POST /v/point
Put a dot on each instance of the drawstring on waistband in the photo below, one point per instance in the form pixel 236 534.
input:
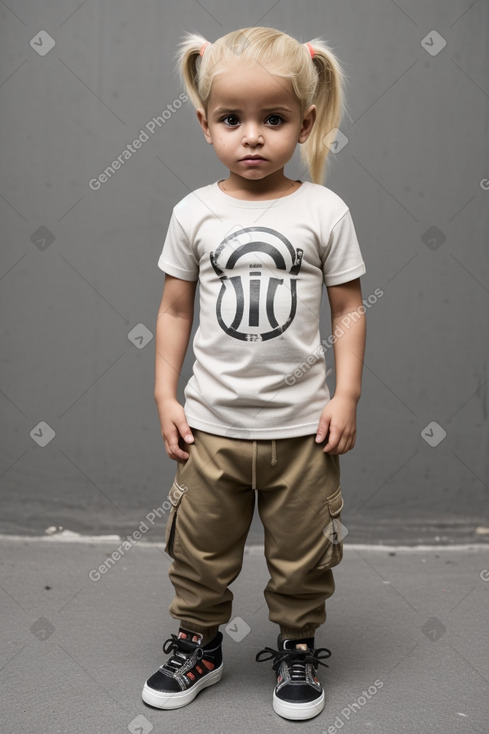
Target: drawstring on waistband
pixel 253 461
pixel 253 467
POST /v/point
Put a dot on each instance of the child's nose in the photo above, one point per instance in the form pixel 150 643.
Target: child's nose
pixel 252 135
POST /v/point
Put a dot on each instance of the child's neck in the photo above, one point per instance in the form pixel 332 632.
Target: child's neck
pixel 271 187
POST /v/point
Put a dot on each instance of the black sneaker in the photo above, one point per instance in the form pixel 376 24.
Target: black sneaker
pixel 298 693
pixel 188 670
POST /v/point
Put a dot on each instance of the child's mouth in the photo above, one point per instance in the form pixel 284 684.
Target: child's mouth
pixel 253 160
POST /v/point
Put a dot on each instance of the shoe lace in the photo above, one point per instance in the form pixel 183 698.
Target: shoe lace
pixel 179 653
pixel 295 659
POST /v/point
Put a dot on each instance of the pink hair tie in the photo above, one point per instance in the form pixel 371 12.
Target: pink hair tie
pixel 202 50
pixel 310 49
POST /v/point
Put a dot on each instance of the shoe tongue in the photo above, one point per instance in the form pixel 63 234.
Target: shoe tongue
pixel 188 636
pixel 297 644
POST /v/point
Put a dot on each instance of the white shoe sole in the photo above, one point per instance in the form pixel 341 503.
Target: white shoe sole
pixel 162 700
pixel 298 711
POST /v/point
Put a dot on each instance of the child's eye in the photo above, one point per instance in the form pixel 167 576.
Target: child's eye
pixel 274 120
pixel 230 120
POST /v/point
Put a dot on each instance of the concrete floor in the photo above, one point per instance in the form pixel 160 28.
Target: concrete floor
pixel 407 629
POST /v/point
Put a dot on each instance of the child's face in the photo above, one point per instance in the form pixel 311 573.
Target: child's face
pixel 254 120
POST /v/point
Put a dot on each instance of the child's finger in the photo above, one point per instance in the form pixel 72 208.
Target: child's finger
pixel 175 452
pixel 322 430
pixel 333 442
pixel 344 443
pixel 172 438
pixel 185 432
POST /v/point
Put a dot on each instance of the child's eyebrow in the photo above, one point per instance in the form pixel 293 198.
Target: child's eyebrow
pixel 278 108
pixel 236 111
pixel 221 108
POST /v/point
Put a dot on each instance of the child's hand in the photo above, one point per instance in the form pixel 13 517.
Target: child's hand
pixel 174 428
pixel 338 424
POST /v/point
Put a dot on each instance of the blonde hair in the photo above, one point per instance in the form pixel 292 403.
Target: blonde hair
pixel 317 79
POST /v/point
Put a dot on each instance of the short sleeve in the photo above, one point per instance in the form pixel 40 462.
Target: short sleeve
pixel 177 257
pixel 343 260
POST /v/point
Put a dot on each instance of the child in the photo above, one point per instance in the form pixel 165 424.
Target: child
pixel 257 414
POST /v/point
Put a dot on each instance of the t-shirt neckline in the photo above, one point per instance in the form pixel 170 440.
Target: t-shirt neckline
pixel 256 203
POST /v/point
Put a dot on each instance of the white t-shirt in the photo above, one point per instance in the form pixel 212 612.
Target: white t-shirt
pixel 261 266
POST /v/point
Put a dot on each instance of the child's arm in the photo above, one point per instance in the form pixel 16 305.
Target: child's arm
pixel 173 327
pixel 338 419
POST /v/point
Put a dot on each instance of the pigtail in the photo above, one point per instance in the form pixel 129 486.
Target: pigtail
pixel 329 101
pixel 189 59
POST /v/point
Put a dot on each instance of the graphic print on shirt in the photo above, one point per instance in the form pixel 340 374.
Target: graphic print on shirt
pixel 258 269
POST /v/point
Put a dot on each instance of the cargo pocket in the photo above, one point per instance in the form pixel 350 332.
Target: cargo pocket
pixel 333 532
pixel 175 496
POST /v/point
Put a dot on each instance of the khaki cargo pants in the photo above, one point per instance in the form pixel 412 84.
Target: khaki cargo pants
pixel 299 502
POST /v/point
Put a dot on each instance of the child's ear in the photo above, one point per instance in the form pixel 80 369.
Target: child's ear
pixel 307 123
pixel 201 116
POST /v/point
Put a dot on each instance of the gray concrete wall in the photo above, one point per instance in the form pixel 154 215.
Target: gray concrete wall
pixel 80 287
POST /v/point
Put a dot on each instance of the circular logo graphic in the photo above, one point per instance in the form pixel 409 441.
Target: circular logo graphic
pixel 258 269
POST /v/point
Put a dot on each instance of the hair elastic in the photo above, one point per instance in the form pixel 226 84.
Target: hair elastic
pixel 310 49
pixel 202 50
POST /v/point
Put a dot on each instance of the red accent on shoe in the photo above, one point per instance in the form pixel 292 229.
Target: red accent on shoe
pixel 199 670
pixel 191 676
pixel 208 664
